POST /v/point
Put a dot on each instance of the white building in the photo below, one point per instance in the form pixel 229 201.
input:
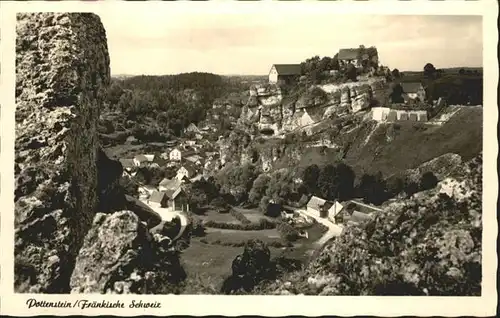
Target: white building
pixel 175 155
pixel 380 113
pixel 284 73
pixel 323 208
pixel 186 171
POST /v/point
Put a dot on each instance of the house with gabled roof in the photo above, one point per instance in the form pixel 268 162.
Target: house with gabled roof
pixel 127 164
pixel 158 200
pixel 175 155
pixel 284 73
pixel 195 159
pixel 319 207
pixel 177 200
pixel 147 190
pixel 169 184
pixel 356 56
pixel 140 159
pixel 413 91
pixel 192 128
pixel 356 212
pixel 187 170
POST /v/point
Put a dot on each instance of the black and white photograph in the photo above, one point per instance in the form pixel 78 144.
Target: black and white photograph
pixel 248 153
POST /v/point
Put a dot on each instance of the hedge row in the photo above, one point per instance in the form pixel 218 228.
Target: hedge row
pixel 276 244
pixel 263 224
pixel 239 216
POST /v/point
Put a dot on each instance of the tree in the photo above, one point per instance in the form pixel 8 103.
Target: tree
pixel 197 198
pixel 397 94
pixel 428 181
pixel 346 177
pixel 249 268
pixel 372 188
pixel 310 178
pixel 395 73
pixel 259 188
pixel 429 70
pixel 351 72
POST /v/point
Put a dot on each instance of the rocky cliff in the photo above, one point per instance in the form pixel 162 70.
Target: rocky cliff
pixel 62 69
pixel 63 178
pixel 274 111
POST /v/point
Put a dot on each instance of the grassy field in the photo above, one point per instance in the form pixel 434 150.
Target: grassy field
pixel 208 265
pixel 253 215
pixel 212 215
pixel 239 237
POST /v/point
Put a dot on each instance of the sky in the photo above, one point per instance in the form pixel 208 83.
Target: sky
pixel 248 44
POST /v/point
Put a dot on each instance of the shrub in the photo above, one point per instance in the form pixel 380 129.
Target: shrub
pixel 239 216
pixel 428 181
pixel 287 232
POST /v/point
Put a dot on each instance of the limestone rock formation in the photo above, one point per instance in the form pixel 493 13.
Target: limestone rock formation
pixel 62 70
pixel 277 111
pixel 120 255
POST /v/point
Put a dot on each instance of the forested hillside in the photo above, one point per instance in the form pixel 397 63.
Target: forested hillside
pixel 155 108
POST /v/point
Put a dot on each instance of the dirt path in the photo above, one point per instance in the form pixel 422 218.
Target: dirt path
pixel 167 215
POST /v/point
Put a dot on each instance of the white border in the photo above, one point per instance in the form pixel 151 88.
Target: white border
pixel 14 304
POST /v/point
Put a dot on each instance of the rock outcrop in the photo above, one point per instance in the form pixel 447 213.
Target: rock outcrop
pixel 62 70
pixel 130 259
pixel 427 245
pixel 274 111
pixel 69 237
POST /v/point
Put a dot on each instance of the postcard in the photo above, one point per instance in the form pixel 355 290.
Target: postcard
pixel 233 158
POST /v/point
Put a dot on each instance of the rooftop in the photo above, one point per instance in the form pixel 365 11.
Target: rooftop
pixel 411 87
pixel 157 196
pixel 318 203
pixel 288 69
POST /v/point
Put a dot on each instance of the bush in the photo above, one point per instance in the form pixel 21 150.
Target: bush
pixel 428 181
pixel 287 232
pixel 239 216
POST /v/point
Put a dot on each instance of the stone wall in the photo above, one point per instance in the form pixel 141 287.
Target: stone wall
pixel 62 71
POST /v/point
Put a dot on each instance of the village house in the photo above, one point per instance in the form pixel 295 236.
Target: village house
pixel 187 170
pixel 191 142
pixel 177 200
pixel 158 200
pixel 198 136
pixel 128 164
pixel 413 91
pixel 354 57
pixel 320 208
pixel 196 159
pixel 355 212
pixel 139 160
pixel 169 184
pixel 349 56
pixel 175 155
pixel 142 159
pixel 150 158
pixel 192 128
pixel 146 190
pixel 131 140
pixel 284 73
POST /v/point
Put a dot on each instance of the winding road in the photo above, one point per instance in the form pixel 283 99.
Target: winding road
pixel 168 214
